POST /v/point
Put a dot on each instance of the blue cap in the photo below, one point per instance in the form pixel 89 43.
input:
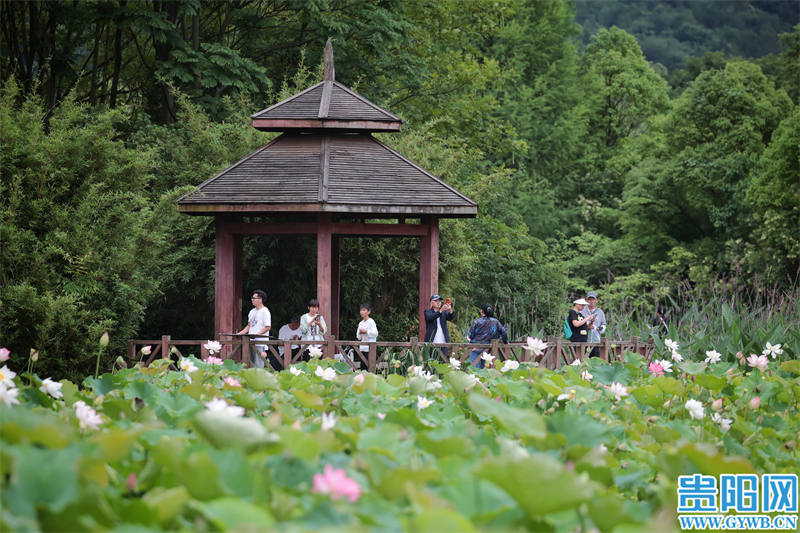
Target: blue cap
pixel 436 297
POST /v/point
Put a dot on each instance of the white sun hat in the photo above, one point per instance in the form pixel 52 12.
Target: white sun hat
pixel 581 302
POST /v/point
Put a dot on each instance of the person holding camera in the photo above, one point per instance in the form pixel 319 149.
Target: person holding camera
pixel 436 322
pixel 312 325
pixel 578 323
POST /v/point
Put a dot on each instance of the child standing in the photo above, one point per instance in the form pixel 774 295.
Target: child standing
pixel 367 330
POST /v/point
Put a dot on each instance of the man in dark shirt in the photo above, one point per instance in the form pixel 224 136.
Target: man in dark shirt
pixel 483 330
pixel 436 322
pixel 578 323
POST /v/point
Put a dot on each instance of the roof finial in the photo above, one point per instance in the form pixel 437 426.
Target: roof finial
pixel 329 74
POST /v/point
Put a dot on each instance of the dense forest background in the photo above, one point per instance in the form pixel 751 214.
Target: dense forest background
pixel 637 148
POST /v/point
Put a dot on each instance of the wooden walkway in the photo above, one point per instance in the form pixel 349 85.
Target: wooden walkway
pixel 559 352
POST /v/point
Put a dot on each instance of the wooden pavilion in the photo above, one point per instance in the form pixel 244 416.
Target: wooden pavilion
pixel 326 175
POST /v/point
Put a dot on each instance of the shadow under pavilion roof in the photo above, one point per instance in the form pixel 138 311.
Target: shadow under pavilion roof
pixel 327 161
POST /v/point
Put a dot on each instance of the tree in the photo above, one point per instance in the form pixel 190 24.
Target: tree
pixel 689 187
pixel 79 233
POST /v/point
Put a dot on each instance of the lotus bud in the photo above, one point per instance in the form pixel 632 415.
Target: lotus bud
pixel 173 350
pixel 131 482
pixel 622 447
pixel 35 356
pixel 666 404
pixel 755 403
pixel 358 379
pixel 716 405
pixel 759 419
pixel 104 340
pixel 147 350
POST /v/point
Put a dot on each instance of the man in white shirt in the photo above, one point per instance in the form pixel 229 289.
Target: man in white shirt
pixel 259 322
pixel 367 330
pixel 291 332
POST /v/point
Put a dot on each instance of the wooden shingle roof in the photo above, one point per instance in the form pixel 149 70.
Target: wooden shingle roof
pixel 322 172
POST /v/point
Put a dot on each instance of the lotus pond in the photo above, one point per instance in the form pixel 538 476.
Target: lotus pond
pixel 216 447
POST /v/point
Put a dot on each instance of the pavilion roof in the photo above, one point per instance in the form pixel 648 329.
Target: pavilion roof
pixel 327 172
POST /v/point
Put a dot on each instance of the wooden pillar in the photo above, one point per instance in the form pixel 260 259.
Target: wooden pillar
pixel 237 282
pixel 333 324
pixel 224 282
pixel 428 268
pixel 324 249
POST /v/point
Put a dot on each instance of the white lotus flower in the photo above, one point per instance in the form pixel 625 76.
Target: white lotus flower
pixel 671 345
pixel 381 415
pixel 677 357
pixel 221 407
pixel 7 377
pixel 293 370
pixel 773 350
pixel 87 416
pixel 537 346
pixel 327 374
pixel 713 357
pixel 328 421
pixel 509 365
pixel 213 347
pixel 425 374
pixel 585 375
pixel 423 402
pixel 8 395
pixel 315 351
pixel 665 365
pixel 52 388
pixel 566 396
pixel 455 363
pixel 695 409
pixel 724 423
pixel 435 384
pixel 619 390
pixel 486 356
pixel 576 362
pixel 187 366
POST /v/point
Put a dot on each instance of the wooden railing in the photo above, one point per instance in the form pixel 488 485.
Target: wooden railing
pixel 558 352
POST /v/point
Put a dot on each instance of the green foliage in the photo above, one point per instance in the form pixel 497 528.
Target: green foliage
pixel 80 232
pixel 670 32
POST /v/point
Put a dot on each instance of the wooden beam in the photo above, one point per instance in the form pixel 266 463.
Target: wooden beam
pixel 224 282
pixel 337 228
pixel 379 230
pixel 389 211
pixel 272 124
pixel 433 230
pixel 324 249
pixel 325 165
pixel 335 286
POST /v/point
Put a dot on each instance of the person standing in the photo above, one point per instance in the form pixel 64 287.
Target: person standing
pixel 483 330
pixel 436 322
pixel 577 323
pixel 291 332
pixel 259 322
pixel 312 326
pixel 367 330
pixel 598 327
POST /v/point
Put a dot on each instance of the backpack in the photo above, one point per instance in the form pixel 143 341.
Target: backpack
pixel 567 329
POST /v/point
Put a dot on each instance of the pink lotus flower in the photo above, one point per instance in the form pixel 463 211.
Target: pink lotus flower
pixel 758 361
pixel 131 482
pixel 214 360
pixel 656 369
pixel 232 382
pixel 716 405
pixel 4 354
pixel 335 482
pixel 755 402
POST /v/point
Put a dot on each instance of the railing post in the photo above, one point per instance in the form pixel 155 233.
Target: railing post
pixel 604 350
pixel 412 348
pixel 165 346
pixel 635 345
pixel 557 362
pixel 330 346
pixel 131 352
pixel 372 357
pixel 287 354
pixel 244 354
